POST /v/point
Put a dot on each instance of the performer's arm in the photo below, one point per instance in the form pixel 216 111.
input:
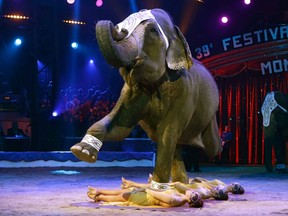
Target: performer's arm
pixel 169 200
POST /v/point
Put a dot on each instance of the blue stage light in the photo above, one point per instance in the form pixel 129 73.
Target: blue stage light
pixel 54 114
pixel 18 42
pixel 91 61
pixel 74 45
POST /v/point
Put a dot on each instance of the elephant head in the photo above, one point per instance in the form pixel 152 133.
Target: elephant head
pixel 143 45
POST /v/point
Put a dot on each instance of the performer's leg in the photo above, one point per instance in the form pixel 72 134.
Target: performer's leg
pixel 128 184
pixel 108 195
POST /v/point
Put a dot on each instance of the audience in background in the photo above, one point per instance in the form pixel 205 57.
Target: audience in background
pixel 82 109
pixel 15 131
pixel 2 135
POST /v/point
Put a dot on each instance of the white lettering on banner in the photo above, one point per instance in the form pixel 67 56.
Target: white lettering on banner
pixel 203 51
pixel 242 40
pixel 258 36
pixel 276 66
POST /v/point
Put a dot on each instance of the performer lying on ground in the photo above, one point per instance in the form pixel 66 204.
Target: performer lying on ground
pixel 206 188
pixel 178 194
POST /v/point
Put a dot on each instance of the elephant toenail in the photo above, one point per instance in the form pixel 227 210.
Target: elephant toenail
pixel 76 148
pixel 85 151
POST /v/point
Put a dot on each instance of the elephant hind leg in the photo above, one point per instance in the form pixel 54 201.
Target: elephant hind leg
pixel 211 139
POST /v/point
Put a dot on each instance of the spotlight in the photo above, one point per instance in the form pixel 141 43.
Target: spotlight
pixel 54 114
pixel 74 45
pixel 15 16
pixel 70 1
pixel 247 2
pixel 91 61
pixel 74 22
pixel 99 3
pixel 18 42
pixel 224 19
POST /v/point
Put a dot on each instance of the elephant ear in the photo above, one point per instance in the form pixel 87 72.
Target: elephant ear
pixel 178 53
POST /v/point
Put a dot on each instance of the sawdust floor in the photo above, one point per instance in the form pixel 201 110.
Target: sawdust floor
pixel 62 191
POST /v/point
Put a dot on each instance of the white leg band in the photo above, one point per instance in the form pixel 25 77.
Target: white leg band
pixel 92 141
pixel 160 186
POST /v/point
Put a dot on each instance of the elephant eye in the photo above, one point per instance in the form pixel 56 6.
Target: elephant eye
pixel 154 30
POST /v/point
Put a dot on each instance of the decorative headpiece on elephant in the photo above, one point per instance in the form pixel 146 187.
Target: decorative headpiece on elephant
pixel 173 97
pixel 275 121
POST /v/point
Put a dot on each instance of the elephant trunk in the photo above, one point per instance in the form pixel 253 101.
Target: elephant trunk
pixel 116 49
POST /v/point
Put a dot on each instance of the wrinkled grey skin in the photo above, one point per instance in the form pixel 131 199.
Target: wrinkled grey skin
pixel 172 96
pixel 276 133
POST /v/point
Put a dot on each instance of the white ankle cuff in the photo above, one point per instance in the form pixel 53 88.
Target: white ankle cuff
pixel 92 141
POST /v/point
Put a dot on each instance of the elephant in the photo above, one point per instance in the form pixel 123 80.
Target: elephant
pixel 275 121
pixel 171 95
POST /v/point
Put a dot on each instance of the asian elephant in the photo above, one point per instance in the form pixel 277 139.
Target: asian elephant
pixel 168 93
pixel 275 122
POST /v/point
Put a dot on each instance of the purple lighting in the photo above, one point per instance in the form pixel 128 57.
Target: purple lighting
pixel 99 3
pixel 224 19
pixel 247 2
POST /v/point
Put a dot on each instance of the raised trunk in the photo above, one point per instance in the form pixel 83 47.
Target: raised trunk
pixel 116 49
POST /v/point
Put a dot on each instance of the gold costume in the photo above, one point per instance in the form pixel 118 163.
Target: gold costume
pixel 143 199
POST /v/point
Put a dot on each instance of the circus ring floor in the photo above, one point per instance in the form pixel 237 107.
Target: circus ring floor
pixel 61 190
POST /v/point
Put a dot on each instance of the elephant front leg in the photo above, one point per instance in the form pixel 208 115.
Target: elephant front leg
pixel 169 159
pixel 169 162
pixel 114 127
pixel 163 165
pixel 87 150
pixel 178 171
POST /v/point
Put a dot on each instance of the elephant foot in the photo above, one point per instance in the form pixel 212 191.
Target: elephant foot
pixel 87 150
pixel 84 152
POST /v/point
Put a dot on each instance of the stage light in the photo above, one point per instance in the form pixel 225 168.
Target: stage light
pixel 54 114
pixel 18 42
pixel 247 2
pixel 74 45
pixel 15 16
pixel 91 61
pixel 224 19
pixel 70 1
pixel 99 3
pixel 74 22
